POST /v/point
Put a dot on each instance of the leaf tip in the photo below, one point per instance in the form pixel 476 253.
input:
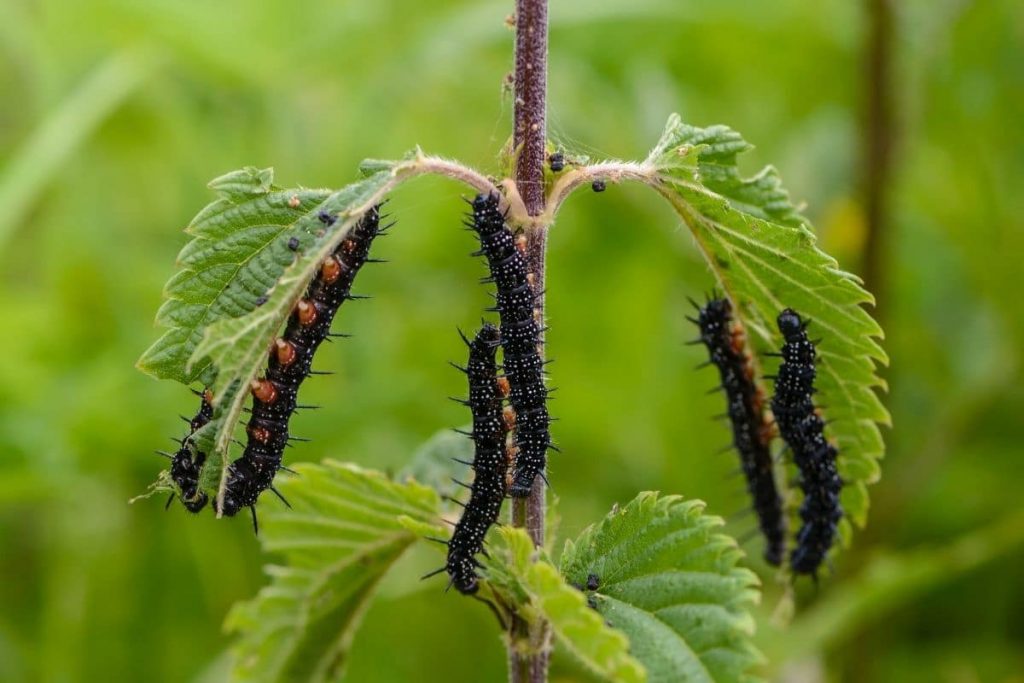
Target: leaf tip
pixel 244 182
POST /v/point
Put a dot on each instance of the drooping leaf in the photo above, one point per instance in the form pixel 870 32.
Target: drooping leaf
pixel 346 528
pixel 239 247
pixel 237 346
pixel 671 584
pixel 255 251
pixel 528 579
pixel 764 256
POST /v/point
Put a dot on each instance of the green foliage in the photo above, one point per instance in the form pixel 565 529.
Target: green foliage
pixel 64 130
pixel 672 586
pixel 763 254
pixel 667 582
pixel 890 582
pixel 528 580
pixel 242 277
pixel 237 342
pixel 238 251
pixel 87 253
pixel 435 463
pixel 344 531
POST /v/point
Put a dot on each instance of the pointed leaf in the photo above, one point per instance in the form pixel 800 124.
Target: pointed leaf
pixel 763 253
pixel 239 247
pixel 671 584
pixel 531 582
pixel 255 251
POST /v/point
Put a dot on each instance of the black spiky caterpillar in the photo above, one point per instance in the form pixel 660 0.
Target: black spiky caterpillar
pixel 802 428
pixel 490 465
pixel 186 463
pixel 752 431
pixel 290 362
pixel 520 340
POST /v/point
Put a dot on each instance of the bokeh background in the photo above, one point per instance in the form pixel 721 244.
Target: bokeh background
pixel 115 113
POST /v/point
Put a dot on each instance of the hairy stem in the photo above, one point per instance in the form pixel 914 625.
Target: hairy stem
pixel 529 135
pixel 531 82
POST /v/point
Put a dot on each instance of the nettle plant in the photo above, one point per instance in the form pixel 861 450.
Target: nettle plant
pixel 652 592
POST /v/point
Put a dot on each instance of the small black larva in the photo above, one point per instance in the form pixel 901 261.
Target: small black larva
pixel 752 431
pixel 187 462
pixel 520 340
pixel 490 465
pixel 556 162
pixel 290 362
pixel 802 428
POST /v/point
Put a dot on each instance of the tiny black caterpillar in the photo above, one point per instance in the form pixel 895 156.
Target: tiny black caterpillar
pixel 751 431
pixel 556 161
pixel 803 430
pixel 520 340
pixel 290 362
pixel 489 462
pixel 184 467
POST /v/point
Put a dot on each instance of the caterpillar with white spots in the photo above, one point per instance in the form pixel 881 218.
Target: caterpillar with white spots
pixel 520 340
pixel 490 464
pixel 802 428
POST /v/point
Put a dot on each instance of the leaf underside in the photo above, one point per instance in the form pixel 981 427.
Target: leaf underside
pixel 253 252
pixel 671 584
pixel 346 528
pixel 763 255
pixel 239 248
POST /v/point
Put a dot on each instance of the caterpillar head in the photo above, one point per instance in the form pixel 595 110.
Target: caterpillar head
pixel 790 325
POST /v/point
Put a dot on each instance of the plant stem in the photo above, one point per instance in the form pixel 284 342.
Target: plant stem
pixel 529 137
pixel 877 141
pixel 531 83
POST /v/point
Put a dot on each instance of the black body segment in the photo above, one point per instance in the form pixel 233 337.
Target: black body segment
pixel 803 430
pixel 291 359
pixel 520 340
pixel 751 429
pixel 186 463
pixel 489 461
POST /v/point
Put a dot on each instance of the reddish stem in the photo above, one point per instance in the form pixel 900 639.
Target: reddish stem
pixel 529 138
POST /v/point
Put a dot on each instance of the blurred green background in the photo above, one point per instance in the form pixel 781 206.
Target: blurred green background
pixel 115 113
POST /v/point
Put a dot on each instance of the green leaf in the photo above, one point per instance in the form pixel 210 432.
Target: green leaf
pixel 530 581
pixel 239 248
pixel 711 153
pixel 346 528
pixel 672 586
pixel 435 463
pixel 240 279
pixel 237 346
pixel 763 253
